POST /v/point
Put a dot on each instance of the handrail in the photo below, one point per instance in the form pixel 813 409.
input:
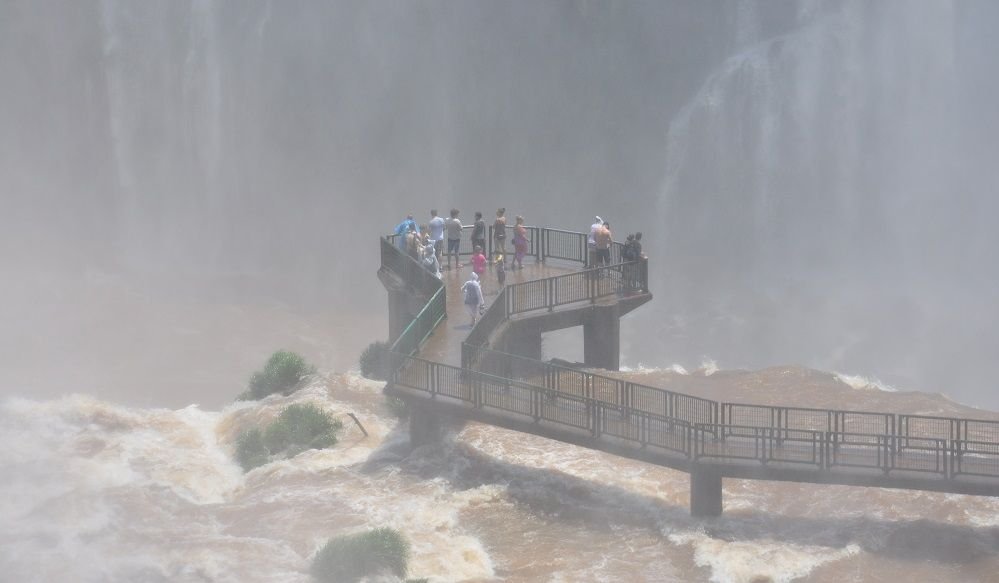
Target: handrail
pixel 822 451
pixel 422 325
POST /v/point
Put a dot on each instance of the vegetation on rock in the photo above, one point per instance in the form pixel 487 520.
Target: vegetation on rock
pixel 299 427
pixel 350 558
pixel 282 373
pixel 374 361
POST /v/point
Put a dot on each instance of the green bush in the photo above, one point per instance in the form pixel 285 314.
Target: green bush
pixel 374 361
pixel 352 557
pixel 250 449
pixel 280 375
pixel 298 428
pixel 301 427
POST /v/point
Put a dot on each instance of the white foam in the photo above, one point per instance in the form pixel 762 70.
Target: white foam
pixel 766 560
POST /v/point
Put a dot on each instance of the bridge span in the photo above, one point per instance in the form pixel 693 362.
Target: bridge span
pixel 494 373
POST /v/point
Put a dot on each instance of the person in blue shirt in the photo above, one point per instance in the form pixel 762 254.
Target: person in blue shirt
pixel 402 228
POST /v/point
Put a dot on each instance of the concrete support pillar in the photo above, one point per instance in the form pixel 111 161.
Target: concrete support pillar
pixel 524 339
pixel 705 493
pixel 424 427
pixel 399 313
pixel 602 338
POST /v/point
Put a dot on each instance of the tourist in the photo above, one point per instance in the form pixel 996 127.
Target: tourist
pixel 638 246
pixel 430 261
pixel 453 227
pixel 412 242
pixel 474 302
pixel 479 232
pixel 479 262
pixel 437 233
pixel 500 271
pixel 499 232
pixel 520 243
pixel 628 251
pixel 401 230
pixel 602 240
pixel 591 241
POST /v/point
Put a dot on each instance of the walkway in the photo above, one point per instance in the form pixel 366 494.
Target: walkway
pixel 460 373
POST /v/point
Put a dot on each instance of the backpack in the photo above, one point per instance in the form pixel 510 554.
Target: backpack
pixel 471 298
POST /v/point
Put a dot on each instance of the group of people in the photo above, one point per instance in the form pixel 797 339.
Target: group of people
pixel 425 244
pixel 600 240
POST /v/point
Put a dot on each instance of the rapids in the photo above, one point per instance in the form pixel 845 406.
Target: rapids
pixel 95 491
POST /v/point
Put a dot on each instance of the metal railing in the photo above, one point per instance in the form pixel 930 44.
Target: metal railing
pixel 422 325
pixel 633 396
pixel 826 451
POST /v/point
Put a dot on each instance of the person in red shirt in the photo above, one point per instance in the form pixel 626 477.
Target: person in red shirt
pixel 479 264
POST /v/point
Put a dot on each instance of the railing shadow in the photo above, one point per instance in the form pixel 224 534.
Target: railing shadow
pixel 598 507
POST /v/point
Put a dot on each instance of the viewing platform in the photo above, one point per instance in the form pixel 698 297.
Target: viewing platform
pixel 494 373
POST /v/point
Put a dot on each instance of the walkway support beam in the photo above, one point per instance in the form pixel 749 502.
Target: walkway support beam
pixel 425 426
pixel 705 492
pixel 602 338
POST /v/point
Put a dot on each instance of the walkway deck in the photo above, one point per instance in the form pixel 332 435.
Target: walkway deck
pixel 444 344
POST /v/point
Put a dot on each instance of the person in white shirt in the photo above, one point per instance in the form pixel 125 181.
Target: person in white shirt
pixel 591 241
pixel 453 227
pixel 437 233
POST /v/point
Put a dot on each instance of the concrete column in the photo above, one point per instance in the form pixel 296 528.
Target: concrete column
pixel 705 493
pixel 602 338
pixel 524 339
pixel 424 427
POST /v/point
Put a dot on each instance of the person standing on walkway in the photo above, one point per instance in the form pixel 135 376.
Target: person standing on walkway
pixel 402 230
pixel 591 240
pixel 413 242
pixel 638 246
pixel 499 232
pixel 474 302
pixel 437 233
pixel 453 227
pixel 602 239
pixel 430 261
pixel 479 262
pixel 520 243
pixel 479 232
pixel 500 271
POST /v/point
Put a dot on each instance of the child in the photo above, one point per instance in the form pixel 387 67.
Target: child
pixel 500 271
pixel 479 263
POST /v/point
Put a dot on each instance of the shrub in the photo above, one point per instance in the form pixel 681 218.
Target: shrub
pixel 374 361
pixel 250 449
pixel 298 428
pixel 301 427
pixel 280 375
pixel 349 558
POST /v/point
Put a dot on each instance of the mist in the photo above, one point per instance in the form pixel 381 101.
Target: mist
pixel 188 186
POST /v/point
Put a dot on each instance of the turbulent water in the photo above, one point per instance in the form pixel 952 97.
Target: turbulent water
pixel 95 491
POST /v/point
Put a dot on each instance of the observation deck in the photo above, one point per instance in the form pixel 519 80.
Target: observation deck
pixel 494 373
